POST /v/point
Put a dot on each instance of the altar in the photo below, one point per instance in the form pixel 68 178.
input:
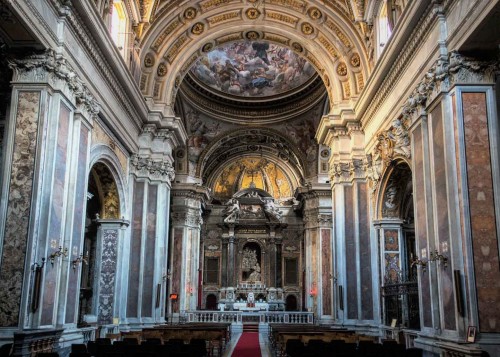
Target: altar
pixel 244 306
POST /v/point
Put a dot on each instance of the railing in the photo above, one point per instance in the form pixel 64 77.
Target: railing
pixel 88 333
pixel 214 316
pixel 262 317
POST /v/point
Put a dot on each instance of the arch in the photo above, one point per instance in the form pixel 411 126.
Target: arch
pixel 326 35
pixel 396 182
pixel 291 303
pixel 211 302
pixel 103 155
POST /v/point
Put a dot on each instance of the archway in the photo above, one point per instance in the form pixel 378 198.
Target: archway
pixel 291 303
pixel 400 289
pixel 103 202
pixel 211 302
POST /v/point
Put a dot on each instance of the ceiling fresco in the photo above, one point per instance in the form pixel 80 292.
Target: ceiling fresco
pixel 252 69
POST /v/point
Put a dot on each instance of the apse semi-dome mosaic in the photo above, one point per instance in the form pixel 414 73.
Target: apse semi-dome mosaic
pixel 252 69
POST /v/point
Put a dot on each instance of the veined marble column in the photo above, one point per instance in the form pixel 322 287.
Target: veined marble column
pixel 45 183
pixel 187 203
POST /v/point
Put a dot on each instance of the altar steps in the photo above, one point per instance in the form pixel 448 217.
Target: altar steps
pixel 250 327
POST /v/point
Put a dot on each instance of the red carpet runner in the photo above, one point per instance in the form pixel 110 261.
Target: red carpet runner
pixel 247 346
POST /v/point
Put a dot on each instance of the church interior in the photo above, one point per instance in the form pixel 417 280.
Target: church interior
pixel 209 167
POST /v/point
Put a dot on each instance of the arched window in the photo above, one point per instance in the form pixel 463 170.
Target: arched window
pixel 383 27
pixel 118 27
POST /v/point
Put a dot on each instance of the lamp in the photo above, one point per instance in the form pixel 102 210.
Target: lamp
pixel 80 259
pixel 422 263
pixel 435 256
pixel 58 253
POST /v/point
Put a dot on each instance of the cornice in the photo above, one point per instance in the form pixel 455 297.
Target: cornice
pixel 154 169
pixel 188 190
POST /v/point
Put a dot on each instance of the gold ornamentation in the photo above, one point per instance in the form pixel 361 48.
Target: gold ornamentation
pixel 314 13
pixel 175 48
pixel 198 28
pixel 190 13
pixel 207 47
pixel 281 17
pixel 252 13
pixel 276 38
pixel 347 89
pixel 229 38
pixel 360 81
pixel 149 60
pixel 189 63
pixel 296 5
pixel 342 69
pixel 168 30
pixel 307 28
pixel 212 3
pixel 252 35
pixel 224 17
pixel 355 60
pixel 162 70
pixel 297 47
pixel 328 46
pixel 343 38
pixel 327 81
pixel 156 89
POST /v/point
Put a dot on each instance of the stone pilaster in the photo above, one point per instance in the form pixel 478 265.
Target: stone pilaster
pixel 187 203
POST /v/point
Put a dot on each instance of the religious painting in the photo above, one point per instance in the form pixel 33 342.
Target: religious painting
pixel 252 69
pixel 251 212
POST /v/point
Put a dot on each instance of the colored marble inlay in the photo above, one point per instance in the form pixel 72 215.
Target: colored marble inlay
pixel 107 276
pixel 326 251
pixel 177 265
pixel 135 251
pixel 78 219
pixel 56 214
pixel 421 223
pixel 149 267
pixel 391 240
pixel 482 210
pixel 443 229
pixel 350 246
pixel 365 254
pixel 18 207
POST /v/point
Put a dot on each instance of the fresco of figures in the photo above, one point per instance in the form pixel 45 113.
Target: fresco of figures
pixel 252 69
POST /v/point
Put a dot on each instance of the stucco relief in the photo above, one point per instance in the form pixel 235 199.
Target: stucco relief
pixel 19 207
pixel 146 166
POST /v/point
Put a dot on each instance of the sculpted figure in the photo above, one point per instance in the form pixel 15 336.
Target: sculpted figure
pixel 232 211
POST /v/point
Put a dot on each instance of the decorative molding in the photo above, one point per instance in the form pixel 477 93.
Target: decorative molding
pixel 155 169
pixel 52 68
pixel 343 172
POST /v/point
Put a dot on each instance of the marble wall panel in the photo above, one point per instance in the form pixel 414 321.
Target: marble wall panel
pixel 78 220
pixel 107 277
pixel 443 228
pixel 482 210
pixel 135 250
pixel 177 264
pixel 350 256
pixel 18 206
pixel 365 253
pixel 421 223
pixel 56 216
pixel 149 260
pixel 326 270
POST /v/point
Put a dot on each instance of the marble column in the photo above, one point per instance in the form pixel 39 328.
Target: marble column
pixel 44 180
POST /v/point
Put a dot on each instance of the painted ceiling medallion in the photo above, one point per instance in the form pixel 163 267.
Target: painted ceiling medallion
pixel 149 60
pixel 252 35
pixel 162 69
pixel 297 47
pixel 198 28
pixel 252 69
pixel 342 69
pixel 252 13
pixel 190 13
pixel 314 13
pixel 307 28
pixel 355 60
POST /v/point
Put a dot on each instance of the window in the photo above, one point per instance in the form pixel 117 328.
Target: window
pixel 212 271
pixel 291 277
pixel 384 28
pixel 118 28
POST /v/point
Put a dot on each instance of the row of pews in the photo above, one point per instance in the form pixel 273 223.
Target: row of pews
pixel 315 341
pixel 193 340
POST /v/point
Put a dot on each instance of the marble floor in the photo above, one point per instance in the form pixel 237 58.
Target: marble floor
pixel 265 348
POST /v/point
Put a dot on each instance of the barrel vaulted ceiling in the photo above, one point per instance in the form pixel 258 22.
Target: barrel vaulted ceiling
pixel 328 34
